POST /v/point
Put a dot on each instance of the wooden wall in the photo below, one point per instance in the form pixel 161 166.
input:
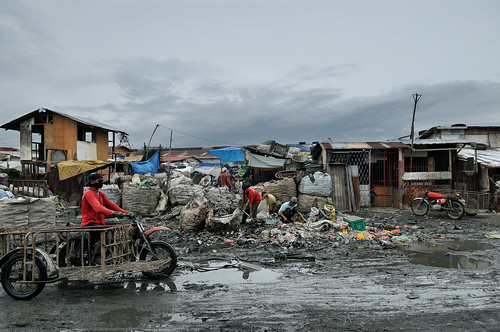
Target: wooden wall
pixel 64 135
pixel 102 144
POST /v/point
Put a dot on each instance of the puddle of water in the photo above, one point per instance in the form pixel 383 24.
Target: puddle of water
pixel 219 274
pixel 446 253
pixel 123 317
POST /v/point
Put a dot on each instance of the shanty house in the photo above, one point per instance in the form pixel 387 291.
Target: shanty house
pixel 483 155
pixel 477 164
pixel 48 137
pixel 357 168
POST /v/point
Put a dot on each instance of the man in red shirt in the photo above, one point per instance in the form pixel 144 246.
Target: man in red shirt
pixel 95 205
pixel 253 202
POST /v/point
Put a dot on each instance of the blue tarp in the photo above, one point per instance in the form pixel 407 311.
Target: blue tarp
pixel 229 155
pixel 150 166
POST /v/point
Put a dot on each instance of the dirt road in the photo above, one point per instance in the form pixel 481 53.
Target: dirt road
pixel 444 278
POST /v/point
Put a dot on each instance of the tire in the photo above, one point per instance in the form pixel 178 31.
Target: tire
pixel 62 254
pixel 456 211
pixel 420 207
pixel 73 261
pixel 12 271
pixel 162 250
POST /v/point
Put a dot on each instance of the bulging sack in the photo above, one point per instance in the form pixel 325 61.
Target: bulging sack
pixel 193 215
pixel 223 223
pixel 140 199
pixel 317 184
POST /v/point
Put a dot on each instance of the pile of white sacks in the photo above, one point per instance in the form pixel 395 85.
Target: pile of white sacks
pixel 202 206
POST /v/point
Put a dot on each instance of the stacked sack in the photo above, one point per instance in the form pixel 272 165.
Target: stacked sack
pixel 314 191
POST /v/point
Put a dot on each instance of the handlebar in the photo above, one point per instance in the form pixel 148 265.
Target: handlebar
pixel 122 215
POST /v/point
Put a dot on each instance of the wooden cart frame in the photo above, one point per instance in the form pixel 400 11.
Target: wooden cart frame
pixel 116 249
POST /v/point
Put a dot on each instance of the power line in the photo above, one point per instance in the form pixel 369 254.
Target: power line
pixel 198 137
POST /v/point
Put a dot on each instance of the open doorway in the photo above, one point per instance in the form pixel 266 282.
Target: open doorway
pixel 385 178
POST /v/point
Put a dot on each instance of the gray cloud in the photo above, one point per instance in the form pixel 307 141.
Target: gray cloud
pixel 291 77
pixel 26 45
pixel 235 114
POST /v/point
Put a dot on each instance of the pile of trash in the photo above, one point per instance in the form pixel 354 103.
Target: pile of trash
pixel 191 198
pixel 289 237
pixel 189 202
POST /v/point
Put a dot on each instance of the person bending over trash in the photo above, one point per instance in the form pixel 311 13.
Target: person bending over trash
pixel 288 210
pixel 95 205
pixel 271 201
pixel 254 199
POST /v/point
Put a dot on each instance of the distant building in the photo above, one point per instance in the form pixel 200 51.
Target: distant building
pixel 194 154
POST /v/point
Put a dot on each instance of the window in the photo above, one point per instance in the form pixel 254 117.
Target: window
pixel 86 134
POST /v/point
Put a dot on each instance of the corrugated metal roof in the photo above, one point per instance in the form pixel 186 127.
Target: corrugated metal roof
pixel 489 158
pixel 15 124
pixel 388 145
pixel 362 145
pixel 437 141
pixel 346 146
pixel 174 159
pixel 199 154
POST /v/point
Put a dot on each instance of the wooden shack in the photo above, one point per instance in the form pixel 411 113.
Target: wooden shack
pixel 48 137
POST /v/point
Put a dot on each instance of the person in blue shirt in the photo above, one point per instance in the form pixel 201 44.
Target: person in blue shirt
pixel 288 210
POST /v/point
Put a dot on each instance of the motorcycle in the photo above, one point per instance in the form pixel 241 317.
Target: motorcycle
pixel 453 205
pixel 83 248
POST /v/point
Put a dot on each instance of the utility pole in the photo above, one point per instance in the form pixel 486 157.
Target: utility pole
pixel 149 143
pixel 416 98
pixel 169 160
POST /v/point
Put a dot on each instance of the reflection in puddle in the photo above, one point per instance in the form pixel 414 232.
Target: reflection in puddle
pixel 445 253
pixel 217 273
pixel 206 275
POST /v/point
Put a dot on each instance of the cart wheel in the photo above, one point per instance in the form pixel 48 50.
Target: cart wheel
pixel 161 250
pixel 12 272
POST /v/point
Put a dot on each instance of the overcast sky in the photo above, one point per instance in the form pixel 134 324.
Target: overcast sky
pixel 237 72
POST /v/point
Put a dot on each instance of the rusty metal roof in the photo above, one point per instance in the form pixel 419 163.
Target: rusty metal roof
pixel 388 145
pixel 181 153
pixel 362 145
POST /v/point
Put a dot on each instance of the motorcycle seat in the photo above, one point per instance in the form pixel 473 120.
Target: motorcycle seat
pixel 433 194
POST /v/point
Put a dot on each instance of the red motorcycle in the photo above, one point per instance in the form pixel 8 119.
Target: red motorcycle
pixel 453 205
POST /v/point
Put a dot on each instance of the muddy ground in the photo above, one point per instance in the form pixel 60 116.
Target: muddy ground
pixel 445 277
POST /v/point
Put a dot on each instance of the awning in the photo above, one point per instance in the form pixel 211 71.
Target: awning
pixel 229 155
pixel 489 157
pixel 68 169
pixel 268 163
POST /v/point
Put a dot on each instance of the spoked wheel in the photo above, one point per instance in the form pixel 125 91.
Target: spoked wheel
pixel 12 274
pixel 420 206
pixel 456 211
pixel 161 250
